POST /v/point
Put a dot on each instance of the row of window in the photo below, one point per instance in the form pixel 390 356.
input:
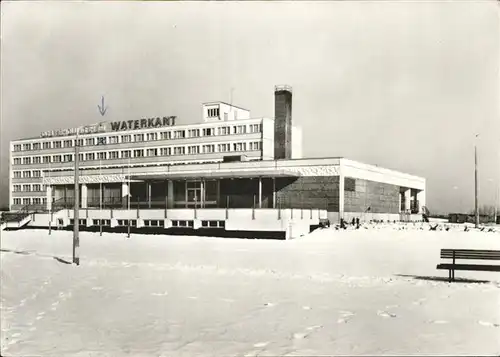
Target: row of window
pixel 30 201
pixel 129 138
pixel 27 174
pixel 125 154
pixel 29 188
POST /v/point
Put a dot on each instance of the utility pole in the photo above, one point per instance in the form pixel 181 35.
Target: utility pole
pixel 476 208
pixel 76 220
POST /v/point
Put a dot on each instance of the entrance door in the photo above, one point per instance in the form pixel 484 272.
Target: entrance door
pixel 194 194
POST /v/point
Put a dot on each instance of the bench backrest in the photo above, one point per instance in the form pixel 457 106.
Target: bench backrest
pixel 470 254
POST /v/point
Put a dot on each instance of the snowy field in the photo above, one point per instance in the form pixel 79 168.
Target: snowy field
pixel 371 291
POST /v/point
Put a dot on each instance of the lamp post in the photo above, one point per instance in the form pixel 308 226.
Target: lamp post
pixel 76 218
pixel 100 141
pixel 476 208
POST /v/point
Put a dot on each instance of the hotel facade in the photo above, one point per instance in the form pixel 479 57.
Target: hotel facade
pixel 157 170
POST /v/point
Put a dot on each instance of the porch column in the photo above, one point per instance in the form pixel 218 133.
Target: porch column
pixel 341 196
pixel 48 191
pixel 407 199
pixel 400 206
pixel 170 194
pixel 148 187
pixel 274 192
pixel 421 200
pixel 260 192
pixel 84 196
pixel 125 194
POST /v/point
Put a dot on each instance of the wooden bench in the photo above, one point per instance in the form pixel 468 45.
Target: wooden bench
pixel 472 254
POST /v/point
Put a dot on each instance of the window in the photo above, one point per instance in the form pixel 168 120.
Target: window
pixel 47 160
pixel 80 142
pixel 26 174
pixel 17 174
pixel 139 137
pixel 26 147
pixel 36 200
pixel 193 133
pixel 139 153
pixel 89 142
pixel 224 147
pixel 152 152
pixel 208 132
pixel 26 160
pixel 166 135
pixel 46 145
pixel 80 157
pixel 240 129
pixel 57 144
pixel 101 140
pixel 37 160
pixel 126 138
pixel 17 161
pixel 255 128
pixel 89 156
pixel 68 158
pixel 26 201
pixel 179 134
pixel 256 145
pixel 113 139
pixel 17 201
pixel 17 147
pixel 126 154
pixel 56 158
pixel 113 155
pixel 349 184
pixel 37 187
pixel 152 136
pixel 101 155
pixel 239 146
pixel 224 130
pixel 44 200
pixel 213 113
pixel 208 149
pixel 17 188
pixel 68 143
pixel 37 173
pixel 179 150
pixel 166 151
pixel 193 149
pixel 37 146
pixel 27 188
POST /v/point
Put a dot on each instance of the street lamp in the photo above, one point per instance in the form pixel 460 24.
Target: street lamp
pixel 476 209
pixel 76 209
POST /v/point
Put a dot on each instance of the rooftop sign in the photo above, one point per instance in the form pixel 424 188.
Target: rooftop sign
pixel 113 126
pixel 88 129
pixel 143 123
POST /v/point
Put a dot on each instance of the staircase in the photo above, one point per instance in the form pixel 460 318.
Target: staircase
pixel 16 220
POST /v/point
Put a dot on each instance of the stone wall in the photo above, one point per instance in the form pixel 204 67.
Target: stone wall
pixel 309 192
pixel 361 194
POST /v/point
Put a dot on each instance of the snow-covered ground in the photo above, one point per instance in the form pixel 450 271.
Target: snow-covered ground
pixel 371 291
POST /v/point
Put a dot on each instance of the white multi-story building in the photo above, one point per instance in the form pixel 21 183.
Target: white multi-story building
pixel 226 130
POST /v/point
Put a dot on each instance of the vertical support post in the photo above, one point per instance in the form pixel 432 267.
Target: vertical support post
pixel 149 193
pixel 253 208
pixel 227 207
pixel 76 225
pixel 138 203
pixel 341 195
pixel 260 192
pixel 166 206
pixel 274 192
pixel 195 204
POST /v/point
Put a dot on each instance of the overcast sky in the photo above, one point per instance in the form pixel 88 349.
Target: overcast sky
pixel 399 84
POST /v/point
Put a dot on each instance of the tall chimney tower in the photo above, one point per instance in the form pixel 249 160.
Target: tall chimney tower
pixel 282 122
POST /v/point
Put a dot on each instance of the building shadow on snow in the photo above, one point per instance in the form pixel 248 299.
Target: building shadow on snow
pixel 444 279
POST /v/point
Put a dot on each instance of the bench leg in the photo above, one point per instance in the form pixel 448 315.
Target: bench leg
pixel 453 275
pixel 449 275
